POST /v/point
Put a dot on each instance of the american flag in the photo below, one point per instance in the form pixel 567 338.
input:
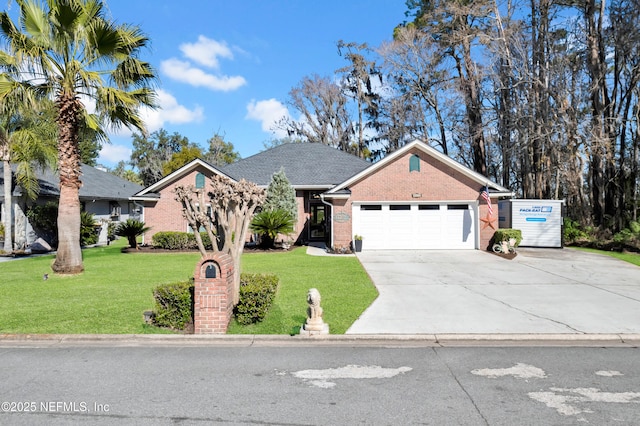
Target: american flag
pixel 485 195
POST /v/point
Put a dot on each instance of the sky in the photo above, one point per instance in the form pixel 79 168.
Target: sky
pixel 227 66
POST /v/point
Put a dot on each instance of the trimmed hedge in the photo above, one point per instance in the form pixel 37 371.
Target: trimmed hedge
pixel 172 240
pixel 257 292
pixel 174 301
pixel 174 305
pixel 506 234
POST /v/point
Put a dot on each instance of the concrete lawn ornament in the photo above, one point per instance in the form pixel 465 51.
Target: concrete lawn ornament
pixel 314 324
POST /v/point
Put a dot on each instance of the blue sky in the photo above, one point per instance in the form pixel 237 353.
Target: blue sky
pixel 227 66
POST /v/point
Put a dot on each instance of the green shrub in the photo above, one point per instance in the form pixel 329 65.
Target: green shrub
pixel 257 292
pixel 173 240
pixel 174 305
pixel 628 235
pixel 506 234
pixel 88 231
pixel 44 220
pixel 206 241
pixel 573 231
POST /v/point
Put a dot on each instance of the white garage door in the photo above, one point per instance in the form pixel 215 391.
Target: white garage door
pixel 389 226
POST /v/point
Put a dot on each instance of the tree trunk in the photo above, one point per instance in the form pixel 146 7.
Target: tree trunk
pixel 597 82
pixel 8 206
pixel 69 254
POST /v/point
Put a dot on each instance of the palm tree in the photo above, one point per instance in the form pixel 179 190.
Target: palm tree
pixel 70 50
pixel 271 223
pixel 26 139
pixel 131 229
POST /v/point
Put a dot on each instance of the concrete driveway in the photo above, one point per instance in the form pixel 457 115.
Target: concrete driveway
pixel 541 291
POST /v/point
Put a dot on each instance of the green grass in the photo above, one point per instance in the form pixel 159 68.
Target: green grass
pixel 109 297
pixel 633 258
pixel 116 288
pixel 345 288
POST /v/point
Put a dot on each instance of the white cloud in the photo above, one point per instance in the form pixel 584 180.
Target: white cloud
pixel 170 111
pixel 268 112
pixel 184 72
pixel 114 153
pixel 206 51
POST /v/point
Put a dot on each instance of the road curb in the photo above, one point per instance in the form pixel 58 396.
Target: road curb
pixel 408 340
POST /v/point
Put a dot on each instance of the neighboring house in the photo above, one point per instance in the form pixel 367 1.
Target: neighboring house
pixel 103 194
pixel 415 198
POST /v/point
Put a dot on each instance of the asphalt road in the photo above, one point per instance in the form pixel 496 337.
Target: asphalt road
pixel 318 385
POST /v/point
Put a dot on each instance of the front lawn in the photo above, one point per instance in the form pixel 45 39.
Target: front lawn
pixel 626 256
pixel 116 288
pixel 344 286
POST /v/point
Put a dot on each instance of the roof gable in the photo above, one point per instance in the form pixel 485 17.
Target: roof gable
pixel 307 165
pixel 430 151
pixel 177 175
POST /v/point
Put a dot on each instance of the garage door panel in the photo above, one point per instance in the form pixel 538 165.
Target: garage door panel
pixel 370 224
pixel 428 226
pixel 421 227
pixel 459 228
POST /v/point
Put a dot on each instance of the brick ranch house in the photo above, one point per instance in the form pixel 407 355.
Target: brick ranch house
pixel 414 198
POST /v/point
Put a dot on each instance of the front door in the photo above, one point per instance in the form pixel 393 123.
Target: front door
pixel 318 222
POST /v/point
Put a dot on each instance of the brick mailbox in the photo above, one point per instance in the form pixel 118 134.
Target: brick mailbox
pixel 213 294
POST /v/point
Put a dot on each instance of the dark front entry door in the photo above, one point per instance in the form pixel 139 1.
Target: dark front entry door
pixel 318 222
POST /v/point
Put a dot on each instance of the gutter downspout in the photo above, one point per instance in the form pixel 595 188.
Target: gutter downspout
pixel 331 206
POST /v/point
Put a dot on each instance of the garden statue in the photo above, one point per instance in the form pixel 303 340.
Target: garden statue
pixel 314 323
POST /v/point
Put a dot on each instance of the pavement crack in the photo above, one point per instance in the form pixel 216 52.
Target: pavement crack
pixel 522 310
pixel 580 282
pixel 461 386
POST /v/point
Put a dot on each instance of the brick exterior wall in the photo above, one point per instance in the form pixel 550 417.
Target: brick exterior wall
pixel 166 213
pixel 435 181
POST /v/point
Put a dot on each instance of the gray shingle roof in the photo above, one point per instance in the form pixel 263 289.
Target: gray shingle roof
pixel 96 185
pixel 305 164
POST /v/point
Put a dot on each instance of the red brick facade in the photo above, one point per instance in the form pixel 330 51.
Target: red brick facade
pixel 436 181
pixel 165 214
pixel 213 296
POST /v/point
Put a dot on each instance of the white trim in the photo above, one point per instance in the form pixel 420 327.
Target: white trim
pixel 337 196
pixel 323 201
pixel 415 202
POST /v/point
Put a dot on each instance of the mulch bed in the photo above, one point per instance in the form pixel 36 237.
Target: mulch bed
pixel 508 256
pixel 151 249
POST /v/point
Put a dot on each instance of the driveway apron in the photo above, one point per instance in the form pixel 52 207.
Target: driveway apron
pixel 541 291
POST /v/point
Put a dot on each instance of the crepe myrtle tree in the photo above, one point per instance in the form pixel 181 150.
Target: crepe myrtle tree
pixel 224 210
